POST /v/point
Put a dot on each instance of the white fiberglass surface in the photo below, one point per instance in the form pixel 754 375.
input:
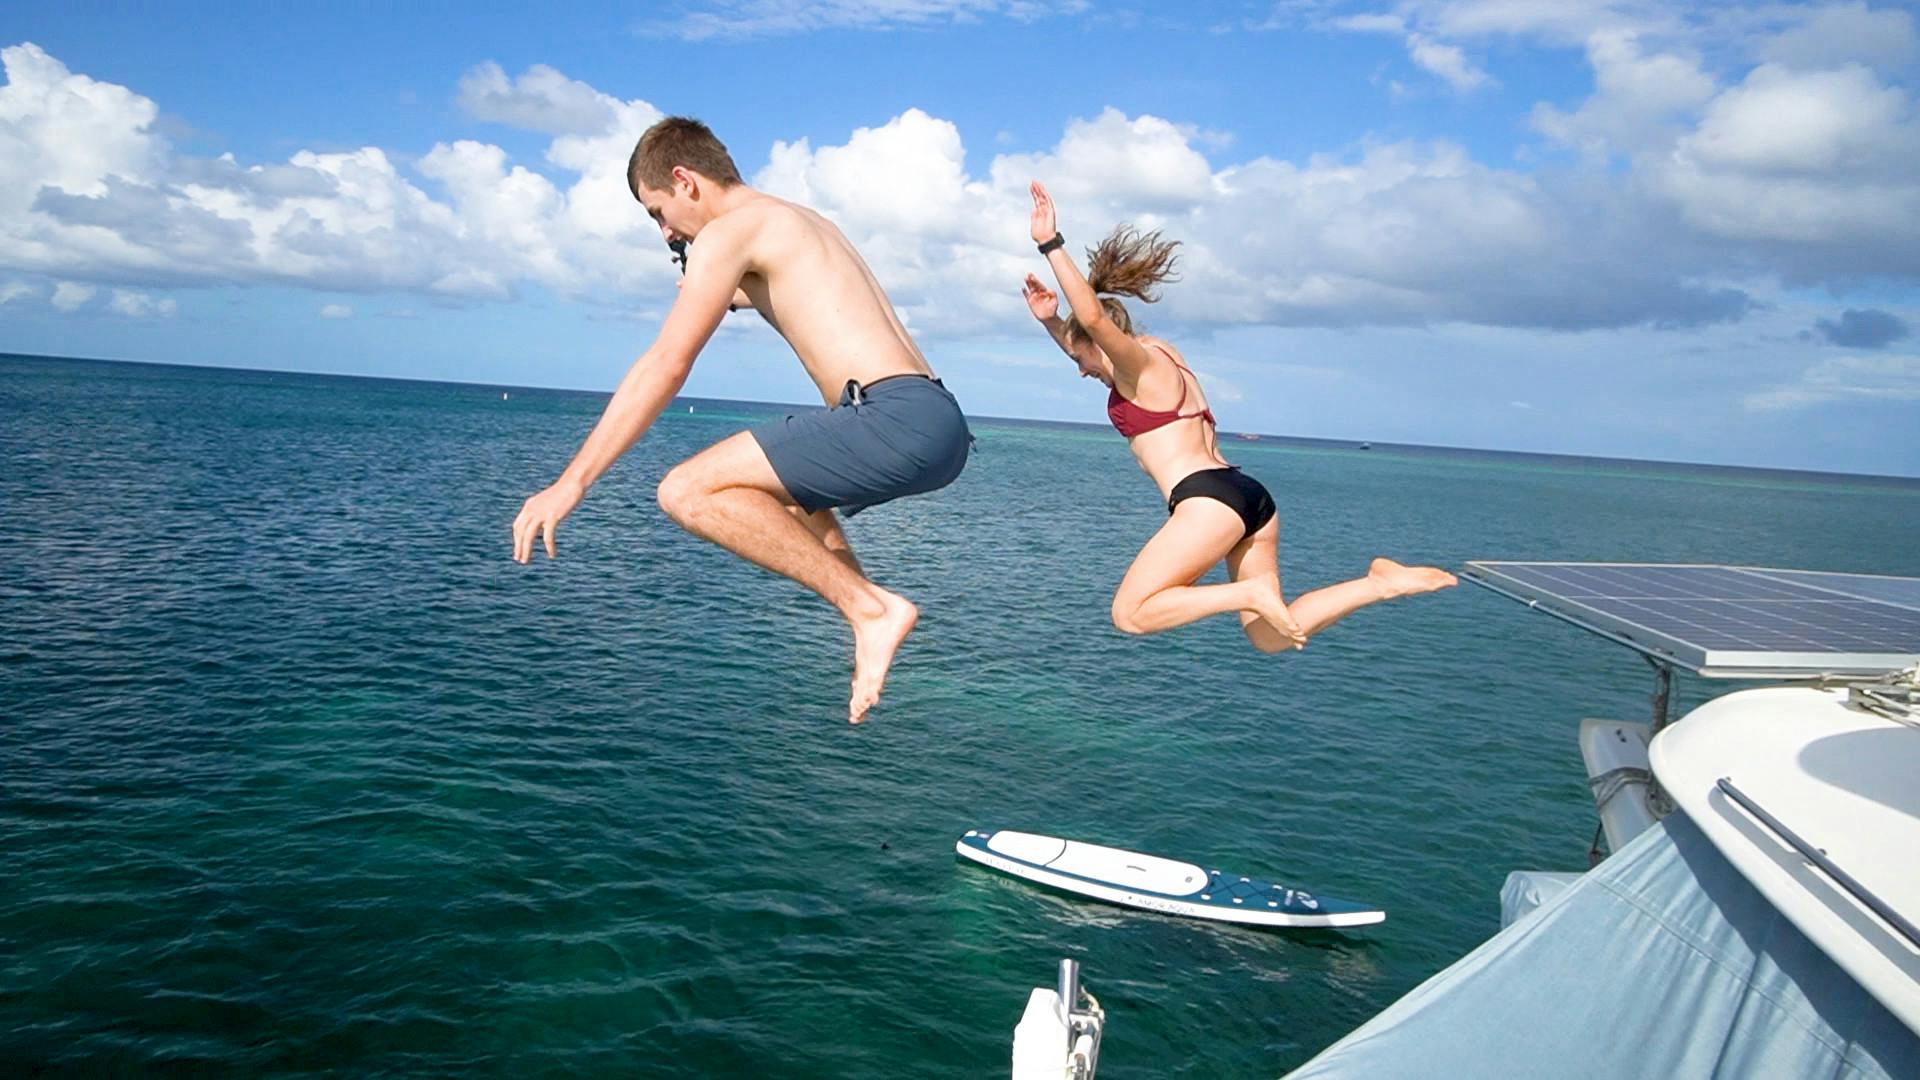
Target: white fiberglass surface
pixel 1026 847
pixel 1842 780
pixel 1130 868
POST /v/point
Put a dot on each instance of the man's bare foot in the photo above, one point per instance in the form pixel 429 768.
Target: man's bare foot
pixel 1273 608
pixel 874 643
pixel 1394 580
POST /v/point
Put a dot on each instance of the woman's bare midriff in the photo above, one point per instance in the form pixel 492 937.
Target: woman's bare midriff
pixel 1170 455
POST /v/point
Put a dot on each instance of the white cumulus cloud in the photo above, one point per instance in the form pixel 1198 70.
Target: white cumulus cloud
pixel 541 99
pixel 740 19
pixel 1813 171
pixel 1778 138
pixel 906 176
pixel 1556 22
pixel 1641 98
pixel 69 296
pixel 1784 173
pixel 89 190
pixel 1835 34
pixel 1125 162
pixel 1845 378
pixel 1447 61
pixel 1783 121
pixel 138 305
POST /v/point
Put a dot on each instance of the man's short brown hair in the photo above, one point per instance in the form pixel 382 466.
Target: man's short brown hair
pixel 678 140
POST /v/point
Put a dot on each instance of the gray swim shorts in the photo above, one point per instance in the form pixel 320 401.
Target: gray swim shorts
pixel 901 435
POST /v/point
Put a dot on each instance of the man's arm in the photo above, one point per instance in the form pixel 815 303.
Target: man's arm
pixel 662 370
pixel 740 302
pixel 649 385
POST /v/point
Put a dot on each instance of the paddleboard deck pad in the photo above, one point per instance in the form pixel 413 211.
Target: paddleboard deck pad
pixel 1130 879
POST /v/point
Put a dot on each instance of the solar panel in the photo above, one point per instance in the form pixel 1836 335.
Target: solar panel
pixel 1729 621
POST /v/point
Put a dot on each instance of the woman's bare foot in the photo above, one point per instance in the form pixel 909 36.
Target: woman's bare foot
pixel 1394 580
pixel 874 642
pixel 1272 608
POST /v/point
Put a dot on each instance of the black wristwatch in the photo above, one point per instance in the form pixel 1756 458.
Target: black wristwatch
pixel 1058 241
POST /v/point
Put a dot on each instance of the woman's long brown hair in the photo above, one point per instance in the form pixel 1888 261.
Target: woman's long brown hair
pixel 1127 263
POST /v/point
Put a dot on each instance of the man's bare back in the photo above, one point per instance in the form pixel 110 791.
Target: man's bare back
pixel 809 283
pixel 768 494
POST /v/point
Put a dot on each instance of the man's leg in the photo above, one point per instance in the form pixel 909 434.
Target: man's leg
pixel 826 526
pixel 729 494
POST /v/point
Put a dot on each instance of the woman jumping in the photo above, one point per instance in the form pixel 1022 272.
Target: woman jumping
pixel 1215 511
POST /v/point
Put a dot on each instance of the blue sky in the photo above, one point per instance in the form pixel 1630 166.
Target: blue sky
pixel 1623 228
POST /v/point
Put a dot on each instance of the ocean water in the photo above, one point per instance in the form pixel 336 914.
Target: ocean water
pixel 299 772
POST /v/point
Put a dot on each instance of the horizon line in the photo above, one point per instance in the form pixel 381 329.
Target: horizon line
pixel 1354 443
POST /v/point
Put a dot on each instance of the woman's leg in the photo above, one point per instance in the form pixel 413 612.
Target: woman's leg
pixel 1385 580
pixel 1256 560
pixel 1258 557
pixel 1159 593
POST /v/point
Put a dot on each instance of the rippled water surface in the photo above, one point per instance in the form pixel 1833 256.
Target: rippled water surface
pixel 298 771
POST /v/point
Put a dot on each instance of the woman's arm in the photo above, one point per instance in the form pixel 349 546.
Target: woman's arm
pixel 1130 360
pixel 1045 305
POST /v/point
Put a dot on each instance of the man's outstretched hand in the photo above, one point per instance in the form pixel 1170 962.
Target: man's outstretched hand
pixel 541 515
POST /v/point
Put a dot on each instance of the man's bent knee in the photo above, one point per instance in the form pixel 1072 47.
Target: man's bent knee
pixel 1124 621
pixel 689 487
pixel 679 493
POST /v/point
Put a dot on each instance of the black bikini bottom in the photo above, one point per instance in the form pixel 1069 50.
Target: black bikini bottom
pixel 1241 493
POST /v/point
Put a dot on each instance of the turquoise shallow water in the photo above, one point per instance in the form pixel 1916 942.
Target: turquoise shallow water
pixel 302 773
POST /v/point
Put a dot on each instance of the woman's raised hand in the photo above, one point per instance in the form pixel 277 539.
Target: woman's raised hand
pixel 1042 301
pixel 1044 228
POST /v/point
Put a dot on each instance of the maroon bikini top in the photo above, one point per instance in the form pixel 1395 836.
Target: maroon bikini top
pixel 1131 420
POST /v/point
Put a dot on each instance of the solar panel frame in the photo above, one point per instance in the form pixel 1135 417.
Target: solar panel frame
pixel 1728 621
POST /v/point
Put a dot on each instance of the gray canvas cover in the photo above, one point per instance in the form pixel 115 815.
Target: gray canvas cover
pixel 1662 961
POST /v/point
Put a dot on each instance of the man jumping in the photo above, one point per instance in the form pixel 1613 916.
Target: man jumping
pixel 768 494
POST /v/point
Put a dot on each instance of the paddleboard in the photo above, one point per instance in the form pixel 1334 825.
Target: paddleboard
pixel 1131 879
